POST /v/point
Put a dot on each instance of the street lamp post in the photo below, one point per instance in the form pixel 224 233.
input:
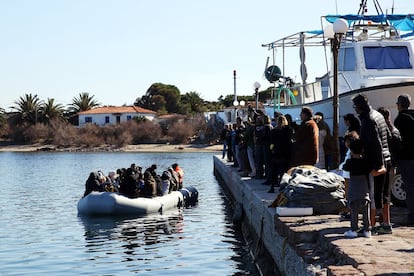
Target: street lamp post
pixel 256 86
pixel 236 105
pixel 340 27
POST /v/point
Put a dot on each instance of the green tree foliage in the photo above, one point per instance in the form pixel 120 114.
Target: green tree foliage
pixel 51 111
pixel 229 99
pixel 83 102
pixel 28 109
pixel 194 101
pixel 171 96
pixel 158 102
pixel 266 94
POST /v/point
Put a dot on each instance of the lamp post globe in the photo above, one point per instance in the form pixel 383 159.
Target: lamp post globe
pixel 340 26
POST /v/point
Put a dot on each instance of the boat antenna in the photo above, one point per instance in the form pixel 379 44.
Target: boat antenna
pixel 336 6
pixel 378 7
pixel 362 7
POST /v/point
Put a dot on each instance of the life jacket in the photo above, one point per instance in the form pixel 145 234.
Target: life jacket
pixel 180 174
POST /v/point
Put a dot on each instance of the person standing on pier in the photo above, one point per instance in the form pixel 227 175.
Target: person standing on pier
pixel 404 122
pixel 374 135
pixel 281 139
pixel 223 138
pixel 305 147
pixel 358 192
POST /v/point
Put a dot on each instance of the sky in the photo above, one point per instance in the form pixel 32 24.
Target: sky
pixel 115 50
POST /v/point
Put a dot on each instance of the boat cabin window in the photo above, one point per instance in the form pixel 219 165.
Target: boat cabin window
pixel 346 59
pixel 389 57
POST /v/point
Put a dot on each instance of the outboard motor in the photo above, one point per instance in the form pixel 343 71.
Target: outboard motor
pixel 190 195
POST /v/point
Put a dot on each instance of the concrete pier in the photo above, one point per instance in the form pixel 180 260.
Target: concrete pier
pixel 311 245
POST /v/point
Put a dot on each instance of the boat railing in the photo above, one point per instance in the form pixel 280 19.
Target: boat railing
pixel 307 93
pixel 297 94
pixel 344 85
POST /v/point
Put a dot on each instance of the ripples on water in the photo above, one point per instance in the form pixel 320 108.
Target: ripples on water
pixel 41 233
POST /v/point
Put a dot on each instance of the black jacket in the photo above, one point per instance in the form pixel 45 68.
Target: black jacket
pixel 405 124
pixel 374 135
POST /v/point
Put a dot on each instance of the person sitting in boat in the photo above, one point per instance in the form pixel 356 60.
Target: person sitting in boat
pixel 93 184
pixel 174 180
pixel 180 174
pixel 105 182
pixel 165 182
pixel 113 181
pixel 130 184
pixel 153 171
pixel 150 185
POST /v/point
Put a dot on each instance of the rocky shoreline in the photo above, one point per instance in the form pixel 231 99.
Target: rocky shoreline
pixel 110 148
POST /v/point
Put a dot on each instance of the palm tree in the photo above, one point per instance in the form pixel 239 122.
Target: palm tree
pixel 194 100
pixel 51 111
pixel 28 107
pixel 82 103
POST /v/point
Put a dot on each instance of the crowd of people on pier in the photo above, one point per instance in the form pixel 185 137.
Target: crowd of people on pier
pixel 135 182
pixel 371 148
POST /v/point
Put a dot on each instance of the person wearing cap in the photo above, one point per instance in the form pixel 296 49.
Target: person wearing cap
pixel 404 122
pixel 305 148
pixel 374 135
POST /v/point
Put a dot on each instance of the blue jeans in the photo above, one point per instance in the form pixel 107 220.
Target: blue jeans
pixel 407 174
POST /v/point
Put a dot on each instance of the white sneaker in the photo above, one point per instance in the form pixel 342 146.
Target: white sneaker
pixel 367 234
pixel 350 234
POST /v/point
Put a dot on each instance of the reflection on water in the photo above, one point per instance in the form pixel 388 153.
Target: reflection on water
pixel 135 232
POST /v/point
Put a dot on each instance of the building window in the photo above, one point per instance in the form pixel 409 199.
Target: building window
pixel 129 117
pixel 88 120
pixel 106 119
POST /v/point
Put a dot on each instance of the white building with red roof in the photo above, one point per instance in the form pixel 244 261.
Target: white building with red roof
pixel 110 115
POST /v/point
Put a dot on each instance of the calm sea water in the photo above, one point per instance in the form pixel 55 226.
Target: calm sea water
pixel 41 233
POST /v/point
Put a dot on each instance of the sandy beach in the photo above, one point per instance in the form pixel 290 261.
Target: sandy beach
pixel 129 148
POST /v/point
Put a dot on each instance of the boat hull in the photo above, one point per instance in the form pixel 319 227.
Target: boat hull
pixel 114 204
pixel 378 96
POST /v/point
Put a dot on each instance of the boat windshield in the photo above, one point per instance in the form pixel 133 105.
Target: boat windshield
pixel 389 57
pixel 346 59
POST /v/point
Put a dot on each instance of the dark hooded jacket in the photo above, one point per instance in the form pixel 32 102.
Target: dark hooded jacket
pixel 405 124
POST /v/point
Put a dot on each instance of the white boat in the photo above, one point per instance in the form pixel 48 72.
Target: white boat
pixel 375 58
pixel 114 204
